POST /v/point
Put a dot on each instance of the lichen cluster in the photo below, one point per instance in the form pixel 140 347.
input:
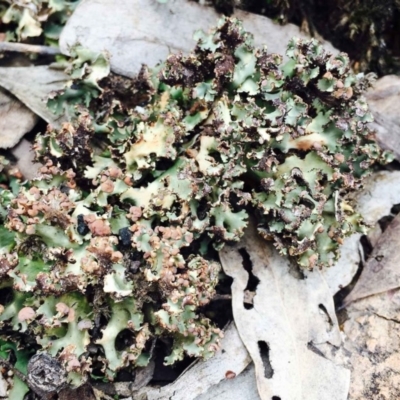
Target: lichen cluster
pixel 366 29
pixel 151 176
pixel 24 20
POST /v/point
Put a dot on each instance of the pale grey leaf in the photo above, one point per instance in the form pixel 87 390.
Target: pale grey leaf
pixel 291 311
pixel 15 120
pixel 32 85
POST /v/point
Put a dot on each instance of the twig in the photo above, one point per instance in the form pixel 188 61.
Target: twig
pixel 28 48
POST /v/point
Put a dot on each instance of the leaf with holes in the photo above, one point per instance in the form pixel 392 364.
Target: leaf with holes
pixel 289 313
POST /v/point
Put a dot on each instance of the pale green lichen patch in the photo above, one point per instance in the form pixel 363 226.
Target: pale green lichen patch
pixel 115 236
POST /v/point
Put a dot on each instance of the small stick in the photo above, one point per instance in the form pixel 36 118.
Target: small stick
pixel 28 48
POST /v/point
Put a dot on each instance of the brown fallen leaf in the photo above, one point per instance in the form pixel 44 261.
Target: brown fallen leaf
pixel 382 270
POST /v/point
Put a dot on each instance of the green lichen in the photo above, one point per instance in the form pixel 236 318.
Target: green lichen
pixel 150 176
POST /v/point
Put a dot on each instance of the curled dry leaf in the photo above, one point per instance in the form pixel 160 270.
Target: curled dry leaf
pixel 292 313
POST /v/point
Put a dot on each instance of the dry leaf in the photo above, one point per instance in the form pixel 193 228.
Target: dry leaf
pixel 382 270
pixel 15 120
pixel 31 85
pixel 143 31
pixel 232 356
pixel 292 313
pixel 341 274
pixel 380 192
pixel 243 387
